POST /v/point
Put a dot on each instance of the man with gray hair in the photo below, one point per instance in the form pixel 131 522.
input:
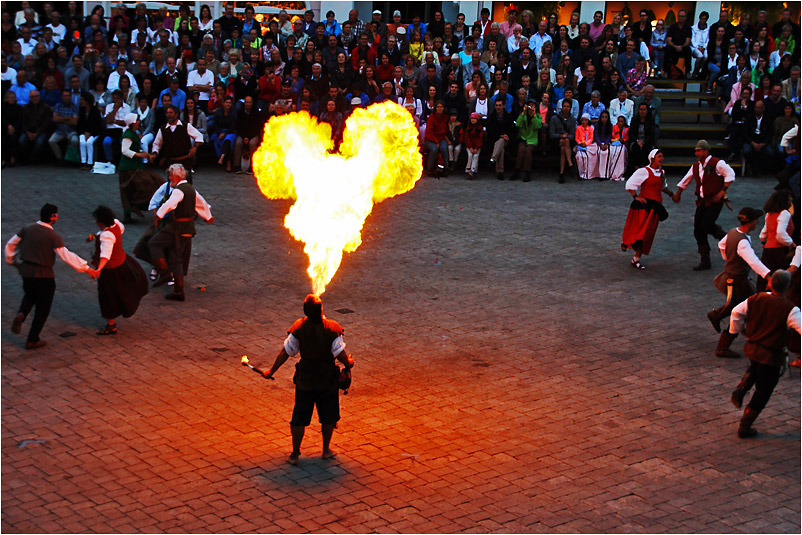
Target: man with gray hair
pixel 770 318
pixel 171 247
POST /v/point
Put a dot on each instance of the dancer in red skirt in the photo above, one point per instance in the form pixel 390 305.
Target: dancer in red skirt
pixel 121 280
pixel 646 210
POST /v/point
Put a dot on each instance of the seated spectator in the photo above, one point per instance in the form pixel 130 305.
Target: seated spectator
pixel 475 65
pixel 436 140
pixel 89 128
pixel 223 132
pixel 177 95
pixel 641 138
pixel 387 93
pixel 36 117
pixel 781 73
pixel 412 104
pixel 286 98
pixel 50 94
pixel 678 43
pixel 742 108
pixel 658 44
pixel 194 116
pixel 608 163
pixel 147 122
pixel 528 123
pixel 115 124
pixel 201 80
pixel 655 108
pixel 618 148
pixel 626 61
pixel 737 88
pixel 781 126
pixel 757 134
pixel 500 129
pixel 635 80
pixel 569 97
pixel 780 51
pixel 594 108
pixel 250 123
pixel 12 126
pixel 22 88
pixel 586 149
pixel 454 138
pixel 621 106
pixel 65 116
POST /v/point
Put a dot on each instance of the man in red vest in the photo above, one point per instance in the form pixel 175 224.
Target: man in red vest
pixel 771 316
pixel 713 177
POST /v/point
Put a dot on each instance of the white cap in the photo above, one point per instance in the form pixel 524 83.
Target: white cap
pixel 130 119
pixel 396 13
pixel 377 12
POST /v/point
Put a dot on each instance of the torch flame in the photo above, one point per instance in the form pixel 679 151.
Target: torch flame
pixel 245 359
pixel 334 193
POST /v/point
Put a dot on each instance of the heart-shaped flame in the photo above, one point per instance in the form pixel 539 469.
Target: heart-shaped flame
pixel 378 158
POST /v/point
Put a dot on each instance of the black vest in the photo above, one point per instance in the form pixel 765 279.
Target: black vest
pixel 175 144
pixel 184 213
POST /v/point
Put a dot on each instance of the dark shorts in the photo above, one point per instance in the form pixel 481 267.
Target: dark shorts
pixel 327 403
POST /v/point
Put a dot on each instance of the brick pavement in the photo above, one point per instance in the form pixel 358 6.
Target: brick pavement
pixel 514 374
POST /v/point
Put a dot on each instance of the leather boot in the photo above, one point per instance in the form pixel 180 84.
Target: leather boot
pixel 723 347
pixel 715 319
pixel 704 263
pixel 747 382
pixel 745 429
pixel 178 290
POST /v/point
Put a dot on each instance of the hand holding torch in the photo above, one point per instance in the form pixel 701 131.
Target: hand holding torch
pixel 245 362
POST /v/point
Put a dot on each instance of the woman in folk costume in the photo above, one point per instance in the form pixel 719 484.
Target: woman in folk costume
pixel 778 246
pixel 646 210
pixel 137 184
pixel 121 282
pixel 586 149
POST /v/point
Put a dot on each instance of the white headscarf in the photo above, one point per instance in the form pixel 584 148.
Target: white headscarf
pixel 130 119
pixel 652 154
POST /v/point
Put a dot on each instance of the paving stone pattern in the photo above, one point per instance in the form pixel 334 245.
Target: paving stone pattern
pixel 514 374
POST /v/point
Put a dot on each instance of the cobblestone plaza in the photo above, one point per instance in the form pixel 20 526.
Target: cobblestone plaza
pixel 513 374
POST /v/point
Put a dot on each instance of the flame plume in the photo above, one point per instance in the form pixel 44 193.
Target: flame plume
pixel 334 193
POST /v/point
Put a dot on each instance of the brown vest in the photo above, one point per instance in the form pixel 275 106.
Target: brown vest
pixel 710 182
pixel 767 328
pixel 735 266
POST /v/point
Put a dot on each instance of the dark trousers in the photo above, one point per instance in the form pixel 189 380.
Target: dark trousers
pixel 672 57
pixel 764 378
pixel 38 293
pixel 742 290
pixel 704 223
pixel 163 246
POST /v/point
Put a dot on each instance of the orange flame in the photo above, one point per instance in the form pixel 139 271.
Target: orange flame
pixel 334 193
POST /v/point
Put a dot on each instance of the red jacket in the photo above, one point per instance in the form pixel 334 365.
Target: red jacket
pixel 268 91
pixel 473 136
pixel 371 57
pixel 436 128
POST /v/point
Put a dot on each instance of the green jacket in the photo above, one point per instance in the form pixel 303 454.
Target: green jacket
pixel 528 127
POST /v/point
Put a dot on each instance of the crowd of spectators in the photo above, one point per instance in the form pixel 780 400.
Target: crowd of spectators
pixel 577 92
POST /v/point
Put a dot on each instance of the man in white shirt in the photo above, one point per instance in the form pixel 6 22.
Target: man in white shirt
pixel 202 81
pixel 26 41
pixel 538 38
pixel 175 218
pixel 739 258
pixel 59 30
pixel 121 70
pixel 712 177
pixel 176 143
pixel 115 123
pixel 767 319
pixel 621 106
pixel 7 74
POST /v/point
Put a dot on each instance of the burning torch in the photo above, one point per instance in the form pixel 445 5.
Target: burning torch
pixel 245 362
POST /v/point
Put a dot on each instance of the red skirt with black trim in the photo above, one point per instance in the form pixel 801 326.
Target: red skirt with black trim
pixel 640 228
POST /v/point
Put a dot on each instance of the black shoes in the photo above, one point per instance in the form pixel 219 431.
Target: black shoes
pixel 527 176
pixel 500 176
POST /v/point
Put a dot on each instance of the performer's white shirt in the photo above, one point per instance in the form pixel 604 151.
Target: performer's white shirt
pixel 292 346
pixel 782 229
pixel 196 136
pixel 108 239
pixel 739 314
pixel 797 257
pixel 722 169
pixel 71 259
pixel 788 136
pixel 176 196
pixel 640 176
pixel 746 252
